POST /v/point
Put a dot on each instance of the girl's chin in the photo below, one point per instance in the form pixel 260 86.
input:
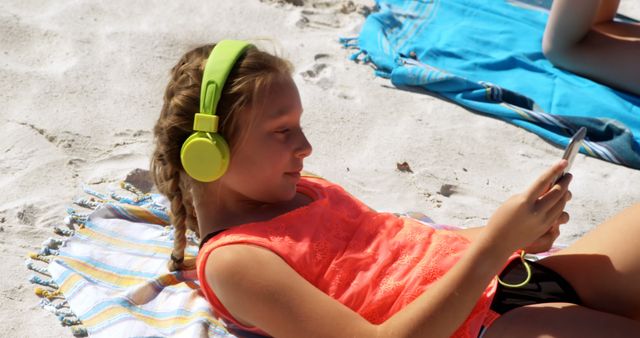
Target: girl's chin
pixel 291 194
pixel 293 175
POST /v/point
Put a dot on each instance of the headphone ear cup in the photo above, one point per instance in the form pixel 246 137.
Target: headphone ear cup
pixel 205 156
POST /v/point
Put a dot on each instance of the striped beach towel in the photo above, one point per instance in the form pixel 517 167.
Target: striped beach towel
pixel 487 56
pixel 106 276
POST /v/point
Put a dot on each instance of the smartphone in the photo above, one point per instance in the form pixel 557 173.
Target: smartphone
pixel 572 149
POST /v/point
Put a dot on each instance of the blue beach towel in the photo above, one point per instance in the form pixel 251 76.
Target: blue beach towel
pixel 487 56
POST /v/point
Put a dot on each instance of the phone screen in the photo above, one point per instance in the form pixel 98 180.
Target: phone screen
pixel 572 149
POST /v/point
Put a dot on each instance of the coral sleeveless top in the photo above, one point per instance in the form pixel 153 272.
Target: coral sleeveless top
pixel 374 263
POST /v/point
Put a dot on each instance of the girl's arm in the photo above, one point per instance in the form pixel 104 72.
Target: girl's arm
pixel 542 244
pixel 259 289
pixel 470 233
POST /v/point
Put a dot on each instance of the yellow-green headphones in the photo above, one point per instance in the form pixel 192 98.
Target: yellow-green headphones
pixel 205 154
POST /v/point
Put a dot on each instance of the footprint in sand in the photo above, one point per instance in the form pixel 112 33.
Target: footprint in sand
pixel 129 136
pixel 315 18
pixel 28 214
pixel 320 72
pixel 322 14
pixel 70 143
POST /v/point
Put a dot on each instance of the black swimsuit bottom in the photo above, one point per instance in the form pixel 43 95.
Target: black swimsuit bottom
pixel 545 286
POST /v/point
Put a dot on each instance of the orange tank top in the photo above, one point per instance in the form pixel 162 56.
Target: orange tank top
pixel 374 263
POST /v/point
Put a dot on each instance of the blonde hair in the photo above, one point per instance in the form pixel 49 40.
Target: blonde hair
pixel 245 88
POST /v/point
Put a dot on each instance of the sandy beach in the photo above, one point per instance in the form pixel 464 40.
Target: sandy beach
pixel 82 85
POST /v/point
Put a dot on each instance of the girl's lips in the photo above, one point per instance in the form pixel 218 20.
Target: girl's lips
pixel 295 174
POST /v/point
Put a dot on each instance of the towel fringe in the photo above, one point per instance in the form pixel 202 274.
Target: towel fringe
pixel 348 40
pixel 94 193
pixel 139 199
pixel 356 56
pixel 79 331
pixel 48 294
pixel 39 257
pixel 59 311
pixel 31 266
pixel 52 299
pixel 62 232
pixel 66 321
pixel 74 217
pixel 131 188
pixel 361 56
pixel 48 283
pixel 89 203
pixel 48 252
pixel 50 304
pixel 53 243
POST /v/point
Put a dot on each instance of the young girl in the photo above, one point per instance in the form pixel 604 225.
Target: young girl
pixel 581 36
pixel 287 255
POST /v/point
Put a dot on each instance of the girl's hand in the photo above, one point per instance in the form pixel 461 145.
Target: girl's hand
pixel 545 242
pixel 531 219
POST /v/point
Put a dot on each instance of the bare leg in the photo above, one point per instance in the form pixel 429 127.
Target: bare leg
pixel 604 265
pixel 581 37
pixel 604 23
pixel 607 10
pixel 560 320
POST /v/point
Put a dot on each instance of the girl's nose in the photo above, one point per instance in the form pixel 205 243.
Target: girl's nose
pixel 304 148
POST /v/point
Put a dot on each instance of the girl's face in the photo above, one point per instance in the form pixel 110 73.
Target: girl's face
pixel 265 166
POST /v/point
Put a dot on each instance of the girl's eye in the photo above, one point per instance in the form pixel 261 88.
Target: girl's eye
pixel 282 131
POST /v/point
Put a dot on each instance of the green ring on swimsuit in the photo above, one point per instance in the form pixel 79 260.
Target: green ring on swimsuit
pixel 526 280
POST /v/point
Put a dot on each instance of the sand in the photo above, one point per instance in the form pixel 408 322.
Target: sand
pixel 82 85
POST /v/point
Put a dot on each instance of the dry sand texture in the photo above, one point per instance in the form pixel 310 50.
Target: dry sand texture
pixel 82 85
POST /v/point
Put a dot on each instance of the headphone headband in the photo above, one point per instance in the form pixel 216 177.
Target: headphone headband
pixel 219 64
pixel 205 154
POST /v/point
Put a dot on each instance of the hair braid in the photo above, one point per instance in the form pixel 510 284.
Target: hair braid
pixel 168 181
pixel 179 215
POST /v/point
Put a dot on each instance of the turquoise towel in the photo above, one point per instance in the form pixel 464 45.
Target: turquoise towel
pixel 486 56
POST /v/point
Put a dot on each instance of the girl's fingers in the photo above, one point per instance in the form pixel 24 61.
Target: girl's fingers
pixel 558 192
pixel 555 229
pixel 542 184
pixel 552 233
pixel 556 211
